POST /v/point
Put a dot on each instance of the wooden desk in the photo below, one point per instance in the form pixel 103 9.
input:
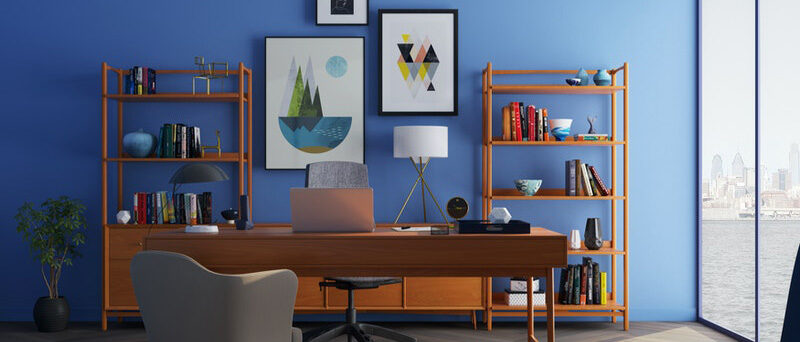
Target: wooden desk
pixel 381 253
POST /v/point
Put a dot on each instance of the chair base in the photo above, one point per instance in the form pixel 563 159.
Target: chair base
pixel 359 332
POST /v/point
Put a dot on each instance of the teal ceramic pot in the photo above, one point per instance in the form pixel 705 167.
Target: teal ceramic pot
pixel 583 76
pixel 139 144
pixel 528 187
pixel 602 78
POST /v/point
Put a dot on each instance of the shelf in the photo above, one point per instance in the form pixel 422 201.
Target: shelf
pixel 499 303
pixel 178 97
pixel 545 195
pixel 209 158
pixel 602 251
pixel 500 142
pixel 554 89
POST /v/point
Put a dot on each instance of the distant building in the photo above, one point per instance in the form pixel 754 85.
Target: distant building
pixel 750 178
pixel 781 180
pixel 737 167
pixel 716 166
pixel 794 163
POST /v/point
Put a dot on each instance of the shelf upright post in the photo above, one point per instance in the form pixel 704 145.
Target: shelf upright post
pixel 627 199
pixel 484 147
pixel 104 188
pixel 249 135
pixel 119 140
pixel 241 130
pixel 613 278
pixel 489 164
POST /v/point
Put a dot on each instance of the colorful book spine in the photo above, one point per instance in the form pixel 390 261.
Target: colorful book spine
pixel 523 121
pixel 517 121
pixel 539 125
pixel 576 285
pixel 531 113
pixel 546 123
pixel 596 282
pixel 602 186
pixel 587 188
pixel 506 124
pixel 603 289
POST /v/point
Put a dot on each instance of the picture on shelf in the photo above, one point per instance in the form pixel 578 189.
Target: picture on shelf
pixel 342 12
pixel 419 62
pixel 314 116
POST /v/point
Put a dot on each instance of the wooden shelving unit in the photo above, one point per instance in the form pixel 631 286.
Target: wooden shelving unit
pixel 121 242
pixel 495 305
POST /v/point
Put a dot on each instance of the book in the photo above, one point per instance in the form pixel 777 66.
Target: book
pixel 506 124
pixel 570 178
pixel 523 121
pixel 135 212
pixel 603 289
pixel 576 285
pixel 546 123
pixel 591 137
pixel 517 121
pixel 589 281
pixel 592 182
pixel 583 284
pixel 562 286
pixel 596 282
pixel 531 112
pixel 602 186
pixel 516 298
pixel 208 217
pixel 579 189
pixel 587 188
pixel 193 209
pixel 513 127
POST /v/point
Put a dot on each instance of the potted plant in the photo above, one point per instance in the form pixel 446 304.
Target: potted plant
pixel 54 232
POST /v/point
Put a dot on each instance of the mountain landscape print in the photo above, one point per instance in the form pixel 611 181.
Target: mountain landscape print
pixel 302 117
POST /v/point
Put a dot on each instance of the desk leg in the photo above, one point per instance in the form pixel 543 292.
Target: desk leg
pixel 551 320
pixel 531 338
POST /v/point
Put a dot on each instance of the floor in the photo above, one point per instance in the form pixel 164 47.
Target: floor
pixel 425 332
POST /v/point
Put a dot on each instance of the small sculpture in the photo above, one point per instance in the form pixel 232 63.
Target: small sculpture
pixel 230 215
pixel 123 216
pixel 593 235
pixel 583 76
pixel 209 72
pixel 218 147
pixel 499 215
pixel 591 120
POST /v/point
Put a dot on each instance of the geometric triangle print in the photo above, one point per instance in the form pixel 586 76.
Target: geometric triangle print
pixel 432 69
pixel 405 51
pixel 431 57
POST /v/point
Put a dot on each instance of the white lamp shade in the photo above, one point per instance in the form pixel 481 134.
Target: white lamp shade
pixel 420 141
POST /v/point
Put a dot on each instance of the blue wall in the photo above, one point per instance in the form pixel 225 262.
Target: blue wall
pixel 51 58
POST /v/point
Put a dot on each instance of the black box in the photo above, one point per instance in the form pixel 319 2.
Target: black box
pixel 487 227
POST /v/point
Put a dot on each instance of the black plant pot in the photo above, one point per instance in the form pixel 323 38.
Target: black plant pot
pixel 51 314
pixel 593 235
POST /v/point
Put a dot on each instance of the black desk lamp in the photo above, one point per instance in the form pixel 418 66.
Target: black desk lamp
pixel 197 173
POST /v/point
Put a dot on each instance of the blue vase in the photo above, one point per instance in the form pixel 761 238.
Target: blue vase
pixel 584 76
pixel 139 144
pixel 602 78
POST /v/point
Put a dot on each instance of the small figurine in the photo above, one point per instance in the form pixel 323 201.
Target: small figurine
pixel 217 147
pixel 591 120
pixel 209 72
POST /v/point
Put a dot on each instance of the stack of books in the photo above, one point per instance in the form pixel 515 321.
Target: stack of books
pixel 525 124
pixel 163 207
pixel 517 293
pixel 179 141
pixel 583 180
pixel 583 284
pixel 591 137
pixel 140 81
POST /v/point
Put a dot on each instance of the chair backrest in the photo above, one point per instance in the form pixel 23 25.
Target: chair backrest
pixel 791 330
pixel 336 174
pixel 180 300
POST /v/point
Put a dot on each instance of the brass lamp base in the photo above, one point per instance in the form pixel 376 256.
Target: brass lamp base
pixel 421 179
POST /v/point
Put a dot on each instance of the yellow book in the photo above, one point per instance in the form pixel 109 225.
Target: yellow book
pixel 603 291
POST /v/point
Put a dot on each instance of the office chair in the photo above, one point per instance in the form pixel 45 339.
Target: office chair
pixel 339 174
pixel 180 300
pixel 791 330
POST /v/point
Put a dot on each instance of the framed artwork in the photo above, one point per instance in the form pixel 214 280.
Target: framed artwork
pixel 314 100
pixel 418 73
pixel 342 12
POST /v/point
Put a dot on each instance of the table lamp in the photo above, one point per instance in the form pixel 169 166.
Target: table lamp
pixel 419 144
pixel 198 173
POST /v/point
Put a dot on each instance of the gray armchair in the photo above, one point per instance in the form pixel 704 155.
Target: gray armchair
pixel 180 300
pixel 341 174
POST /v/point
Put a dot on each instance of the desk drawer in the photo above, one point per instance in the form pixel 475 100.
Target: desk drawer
pixel 444 292
pixel 309 295
pixel 124 243
pixel 387 296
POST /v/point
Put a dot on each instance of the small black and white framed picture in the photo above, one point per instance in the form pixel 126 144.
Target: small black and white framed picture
pixel 342 12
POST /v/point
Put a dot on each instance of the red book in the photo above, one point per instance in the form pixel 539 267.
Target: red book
pixel 142 207
pixel 603 189
pixel 531 123
pixel 518 121
pixel 583 285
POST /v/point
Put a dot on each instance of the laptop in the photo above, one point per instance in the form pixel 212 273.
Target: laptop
pixel 331 210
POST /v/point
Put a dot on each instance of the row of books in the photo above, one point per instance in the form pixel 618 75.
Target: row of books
pixel 522 123
pixel 140 81
pixel 583 284
pixel 583 180
pixel 179 141
pixel 181 208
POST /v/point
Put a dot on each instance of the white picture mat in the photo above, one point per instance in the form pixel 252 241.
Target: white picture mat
pixel 359 16
pixel 343 96
pixel 438 27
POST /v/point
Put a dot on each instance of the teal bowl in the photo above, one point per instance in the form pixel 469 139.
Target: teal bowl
pixel 528 187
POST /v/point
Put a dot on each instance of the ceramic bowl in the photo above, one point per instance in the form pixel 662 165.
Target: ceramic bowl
pixel 560 128
pixel 528 187
pixel 230 214
pixel 573 81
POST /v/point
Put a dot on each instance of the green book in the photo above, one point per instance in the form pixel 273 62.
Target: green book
pixel 576 285
pixel 160 149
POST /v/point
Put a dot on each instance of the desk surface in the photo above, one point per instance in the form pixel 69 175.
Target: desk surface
pixel 381 253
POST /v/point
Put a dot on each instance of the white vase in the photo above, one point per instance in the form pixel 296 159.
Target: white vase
pixel 123 216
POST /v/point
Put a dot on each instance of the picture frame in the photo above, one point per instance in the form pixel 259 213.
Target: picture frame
pixel 418 56
pixel 313 85
pixel 342 12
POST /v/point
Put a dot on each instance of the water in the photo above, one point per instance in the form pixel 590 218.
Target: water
pixel 728 271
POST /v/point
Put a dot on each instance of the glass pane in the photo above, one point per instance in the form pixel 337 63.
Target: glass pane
pixel 779 226
pixel 728 165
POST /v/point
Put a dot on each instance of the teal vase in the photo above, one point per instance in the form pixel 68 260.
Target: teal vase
pixel 583 76
pixel 602 78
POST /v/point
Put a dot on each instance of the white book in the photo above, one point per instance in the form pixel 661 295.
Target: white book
pixel 193 208
pixel 586 185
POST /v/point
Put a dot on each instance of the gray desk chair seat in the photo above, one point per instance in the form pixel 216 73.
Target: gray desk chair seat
pixel 340 174
pixel 180 300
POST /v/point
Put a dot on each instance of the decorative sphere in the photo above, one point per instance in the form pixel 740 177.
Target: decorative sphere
pixel 139 144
